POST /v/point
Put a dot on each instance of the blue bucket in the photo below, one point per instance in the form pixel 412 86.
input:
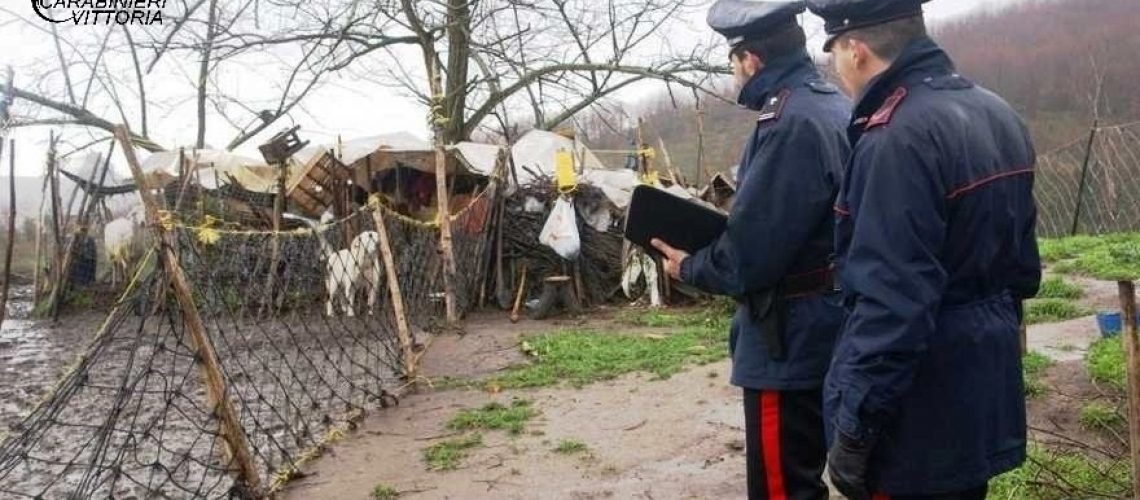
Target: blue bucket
pixel 1110 323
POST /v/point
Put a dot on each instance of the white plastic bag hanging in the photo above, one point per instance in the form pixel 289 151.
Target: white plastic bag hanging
pixel 561 230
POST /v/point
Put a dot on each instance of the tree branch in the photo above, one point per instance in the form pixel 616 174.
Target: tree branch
pixel 668 75
pixel 83 117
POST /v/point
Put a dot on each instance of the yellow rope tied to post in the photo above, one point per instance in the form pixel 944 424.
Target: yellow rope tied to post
pixel 648 152
pixel 436 115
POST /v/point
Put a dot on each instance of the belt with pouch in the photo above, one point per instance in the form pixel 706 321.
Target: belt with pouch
pixel 767 307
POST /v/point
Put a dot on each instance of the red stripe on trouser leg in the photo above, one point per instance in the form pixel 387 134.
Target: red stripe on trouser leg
pixel 880 496
pixel 770 441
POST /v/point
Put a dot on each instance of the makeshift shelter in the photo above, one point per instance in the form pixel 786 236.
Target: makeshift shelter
pixel 600 200
pixel 720 191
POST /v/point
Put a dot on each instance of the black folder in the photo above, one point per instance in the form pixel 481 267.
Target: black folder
pixel 683 224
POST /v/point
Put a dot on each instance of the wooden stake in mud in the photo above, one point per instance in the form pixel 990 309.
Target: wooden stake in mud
pixel 518 297
pixel 397 296
pixel 1132 352
pixel 229 424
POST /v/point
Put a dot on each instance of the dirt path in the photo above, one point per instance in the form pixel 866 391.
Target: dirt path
pixel 679 438
pixel 652 439
pixel 1070 340
pixel 1065 341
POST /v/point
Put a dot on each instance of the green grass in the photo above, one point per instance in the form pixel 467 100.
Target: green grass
pixel 1105 362
pixel 1052 311
pixel 1057 288
pixel 1113 257
pixel 716 314
pixel 1097 415
pixel 1033 365
pixel 580 357
pixel 1049 475
pixel 384 492
pixel 450 454
pixel 570 447
pixel 495 416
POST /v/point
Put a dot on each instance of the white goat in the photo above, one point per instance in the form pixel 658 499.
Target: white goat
pixel 351 269
pixel 119 242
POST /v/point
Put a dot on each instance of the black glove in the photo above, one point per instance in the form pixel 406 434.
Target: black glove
pixel 847 463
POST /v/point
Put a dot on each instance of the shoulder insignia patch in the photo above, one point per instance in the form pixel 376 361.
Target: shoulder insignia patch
pixel 948 82
pixel 883 115
pixel 774 107
pixel 822 87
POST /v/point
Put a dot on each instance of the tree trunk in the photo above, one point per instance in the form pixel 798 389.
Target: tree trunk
pixel 204 72
pixel 458 54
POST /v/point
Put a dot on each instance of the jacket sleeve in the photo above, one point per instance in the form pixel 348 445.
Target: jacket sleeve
pixel 896 199
pixel 786 190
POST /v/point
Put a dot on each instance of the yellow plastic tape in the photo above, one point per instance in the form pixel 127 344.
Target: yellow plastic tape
pixel 564 173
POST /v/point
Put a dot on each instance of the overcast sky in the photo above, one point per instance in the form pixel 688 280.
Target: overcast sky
pixel 344 105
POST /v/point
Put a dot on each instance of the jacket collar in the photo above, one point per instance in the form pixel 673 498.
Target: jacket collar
pixel 922 59
pixel 780 73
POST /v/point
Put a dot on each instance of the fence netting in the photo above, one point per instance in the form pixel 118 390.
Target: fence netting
pixel 302 325
pixel 1108 198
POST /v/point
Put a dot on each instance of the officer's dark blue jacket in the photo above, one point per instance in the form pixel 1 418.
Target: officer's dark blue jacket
pixel 781 223
pixel 936 246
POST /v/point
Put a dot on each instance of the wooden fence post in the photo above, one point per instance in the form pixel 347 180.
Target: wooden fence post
pixel 394 292
pixel 1132 355
pixel 229 424
pixel 445 247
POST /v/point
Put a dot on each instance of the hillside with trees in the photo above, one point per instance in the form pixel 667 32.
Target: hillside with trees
pixel 1046 57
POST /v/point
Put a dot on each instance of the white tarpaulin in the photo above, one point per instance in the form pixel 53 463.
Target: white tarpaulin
pixel 353 150
pixel 536 151
pixel 478 158
pixel 214 168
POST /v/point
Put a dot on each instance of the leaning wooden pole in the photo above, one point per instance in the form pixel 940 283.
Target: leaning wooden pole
pixel 57 277
pixel 230 426
pixel 403 332
pixel 1132 353
pixel 445 247
pixel 11 226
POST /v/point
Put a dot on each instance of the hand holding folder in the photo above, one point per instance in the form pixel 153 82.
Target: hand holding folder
pixel 682 224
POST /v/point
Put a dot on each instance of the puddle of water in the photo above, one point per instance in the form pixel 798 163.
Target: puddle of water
pixel 29 356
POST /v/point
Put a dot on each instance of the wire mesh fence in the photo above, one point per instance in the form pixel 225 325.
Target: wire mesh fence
pixel 1092 185
pixel 305 334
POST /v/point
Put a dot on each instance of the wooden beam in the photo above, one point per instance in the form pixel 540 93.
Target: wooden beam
pixel 229 423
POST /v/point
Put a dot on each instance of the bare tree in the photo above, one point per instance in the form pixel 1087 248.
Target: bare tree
pixel 545 59
pixel 556 58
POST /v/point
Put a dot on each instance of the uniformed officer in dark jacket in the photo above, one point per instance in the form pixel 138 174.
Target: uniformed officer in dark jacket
pixel 936 246
pixel 774 257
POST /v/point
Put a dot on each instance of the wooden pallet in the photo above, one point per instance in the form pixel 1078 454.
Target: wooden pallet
pixel 314 190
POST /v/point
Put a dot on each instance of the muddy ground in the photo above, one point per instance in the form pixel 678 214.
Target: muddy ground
pixel 649 439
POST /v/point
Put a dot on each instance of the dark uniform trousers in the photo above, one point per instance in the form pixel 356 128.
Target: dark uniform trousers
pixel 785 444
